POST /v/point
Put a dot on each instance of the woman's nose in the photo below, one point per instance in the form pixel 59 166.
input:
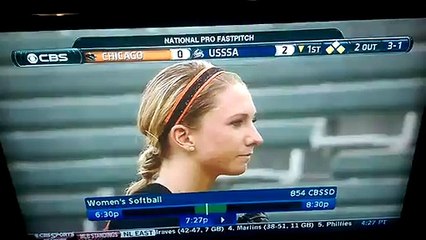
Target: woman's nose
pixel 255 138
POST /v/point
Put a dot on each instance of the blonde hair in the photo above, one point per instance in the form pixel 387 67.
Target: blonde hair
pixel 157 100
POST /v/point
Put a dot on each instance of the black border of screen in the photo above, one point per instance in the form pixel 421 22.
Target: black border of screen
pixel 132 14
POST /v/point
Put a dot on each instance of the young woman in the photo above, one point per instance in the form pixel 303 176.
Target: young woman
pixel 199 123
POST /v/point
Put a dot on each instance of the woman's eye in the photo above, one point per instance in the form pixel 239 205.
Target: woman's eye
pixel 237 123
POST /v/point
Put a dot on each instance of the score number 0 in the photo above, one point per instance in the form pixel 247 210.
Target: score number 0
pixel 284 50
pixel 180 53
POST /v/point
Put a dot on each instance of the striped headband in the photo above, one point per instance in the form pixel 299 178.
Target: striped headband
pixel 185 99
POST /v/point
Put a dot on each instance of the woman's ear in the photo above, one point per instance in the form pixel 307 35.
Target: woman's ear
pixel 181 135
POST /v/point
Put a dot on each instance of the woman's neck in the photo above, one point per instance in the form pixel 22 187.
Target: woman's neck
pixel 183 175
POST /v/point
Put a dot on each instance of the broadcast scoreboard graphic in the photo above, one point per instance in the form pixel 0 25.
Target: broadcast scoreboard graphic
pixel 94 50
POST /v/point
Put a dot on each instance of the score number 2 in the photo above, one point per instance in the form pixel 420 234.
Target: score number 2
pixel 284 50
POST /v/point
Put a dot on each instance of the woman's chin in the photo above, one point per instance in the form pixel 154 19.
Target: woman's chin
pixel 237 170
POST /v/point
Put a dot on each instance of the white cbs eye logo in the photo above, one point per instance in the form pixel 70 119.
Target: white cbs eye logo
pixel 32 58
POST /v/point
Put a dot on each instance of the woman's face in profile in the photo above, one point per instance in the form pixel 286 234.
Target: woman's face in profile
pixel 227 136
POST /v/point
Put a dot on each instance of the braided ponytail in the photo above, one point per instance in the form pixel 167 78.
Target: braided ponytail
pixel 149 165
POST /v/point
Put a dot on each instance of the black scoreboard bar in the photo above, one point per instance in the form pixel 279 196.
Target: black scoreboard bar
pixel 329 47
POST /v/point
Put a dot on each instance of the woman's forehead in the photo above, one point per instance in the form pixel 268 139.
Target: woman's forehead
pixel 235 99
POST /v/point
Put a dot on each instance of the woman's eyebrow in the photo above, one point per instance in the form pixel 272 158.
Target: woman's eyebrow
pixel 245 115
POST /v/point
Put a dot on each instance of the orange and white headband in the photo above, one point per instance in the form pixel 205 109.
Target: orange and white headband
pixel 185 99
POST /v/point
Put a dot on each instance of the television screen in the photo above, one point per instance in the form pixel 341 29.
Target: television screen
pixel 212 130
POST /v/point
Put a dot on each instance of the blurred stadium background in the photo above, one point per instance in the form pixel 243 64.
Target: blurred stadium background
pixel 345 120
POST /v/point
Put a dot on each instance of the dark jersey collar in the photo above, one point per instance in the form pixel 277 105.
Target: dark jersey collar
pixel 154 188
